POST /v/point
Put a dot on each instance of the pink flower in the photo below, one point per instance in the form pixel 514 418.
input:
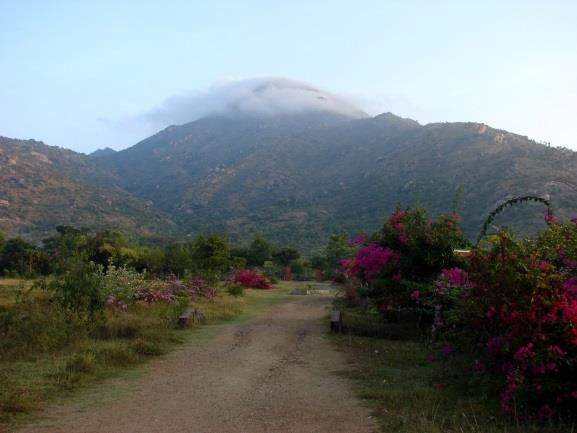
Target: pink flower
pixel 456 277
pixel 358 240
pixel 415 294
pixel 371 258
pixel 556 351
pixel 404 238
pixel 525 353
pixel 570 286
pixel 550 218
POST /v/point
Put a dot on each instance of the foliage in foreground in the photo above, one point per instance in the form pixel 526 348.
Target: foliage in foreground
pixel 410 392
pixel 48 351
pixel 512 306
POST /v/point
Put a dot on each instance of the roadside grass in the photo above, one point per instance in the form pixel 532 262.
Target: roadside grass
pixel 9 289
pixel 54 359
pixel 410 393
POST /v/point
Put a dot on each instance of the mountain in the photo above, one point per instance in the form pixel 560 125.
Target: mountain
pixel 99 153
pixel 44 186
pixel 286 159
pixel 299 177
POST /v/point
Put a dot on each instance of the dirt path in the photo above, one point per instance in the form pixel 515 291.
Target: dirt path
pixel 272 374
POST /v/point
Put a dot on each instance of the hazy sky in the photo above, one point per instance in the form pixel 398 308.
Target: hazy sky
pixel 88 74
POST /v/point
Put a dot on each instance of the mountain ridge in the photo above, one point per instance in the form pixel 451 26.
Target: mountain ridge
pixel 298 178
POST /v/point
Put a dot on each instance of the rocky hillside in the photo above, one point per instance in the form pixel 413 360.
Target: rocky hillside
pixel 44 186
pixel 298 178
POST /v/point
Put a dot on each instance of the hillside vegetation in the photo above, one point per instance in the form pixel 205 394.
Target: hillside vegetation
pixel 300 178
pixel 44 186
pixel 296 178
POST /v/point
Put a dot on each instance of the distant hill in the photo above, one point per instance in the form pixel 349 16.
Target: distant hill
pixel 98 153
pixel 298 178
pixel 44 186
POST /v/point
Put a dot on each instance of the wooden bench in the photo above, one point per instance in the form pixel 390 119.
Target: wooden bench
pixel 191 315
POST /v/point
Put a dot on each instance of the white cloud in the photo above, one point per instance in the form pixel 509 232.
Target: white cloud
pixel 263 96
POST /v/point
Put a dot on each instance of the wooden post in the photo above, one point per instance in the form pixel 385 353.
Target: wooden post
pixel 336 321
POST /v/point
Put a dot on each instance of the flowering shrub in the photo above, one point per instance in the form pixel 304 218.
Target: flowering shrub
pixel 249 278
pixel 396 265
pixel 198 288
pixel 513 304
pixel 446 295
pixel 120 285
pixel 518 309
pixel 156 291
pixel 125 286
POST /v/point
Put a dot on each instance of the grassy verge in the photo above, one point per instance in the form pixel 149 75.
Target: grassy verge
pixel 409 393
pixel 9 289
pixel 57 360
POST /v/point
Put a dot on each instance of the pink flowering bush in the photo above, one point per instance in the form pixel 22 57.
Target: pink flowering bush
pixel 446 294
pixel 195 287
pixel 156 291
pixel 249 278
pixel 518 311
pixel 513 304
pixel 397 265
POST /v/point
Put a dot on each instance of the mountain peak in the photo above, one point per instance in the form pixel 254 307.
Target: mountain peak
pixel 277 96
pixel 99 153
pixel 394 120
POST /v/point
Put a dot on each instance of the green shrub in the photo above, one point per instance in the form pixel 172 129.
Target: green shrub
pixel 121 283
pixel 235 289
pixel 34 325
pixel 80 291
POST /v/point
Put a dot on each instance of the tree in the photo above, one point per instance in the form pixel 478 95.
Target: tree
pixel 283 256
pixel 210 255
pixel 23 258
pixel 259 251
pixel 69 243
pixel 300 267
pixel 337 249
pixel 108 246
pixel 177 259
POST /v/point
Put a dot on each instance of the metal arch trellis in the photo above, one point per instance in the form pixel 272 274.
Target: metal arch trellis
pixel 515 200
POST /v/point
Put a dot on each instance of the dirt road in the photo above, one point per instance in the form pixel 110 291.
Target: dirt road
pixel 271 374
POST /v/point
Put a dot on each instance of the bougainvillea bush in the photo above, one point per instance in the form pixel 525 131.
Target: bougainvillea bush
pixel 396 265
pixel 512 304
pixel 249 278
pixel 126 287
pixel 518 310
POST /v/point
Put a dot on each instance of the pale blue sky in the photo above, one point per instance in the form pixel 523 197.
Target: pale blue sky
pixel 83 74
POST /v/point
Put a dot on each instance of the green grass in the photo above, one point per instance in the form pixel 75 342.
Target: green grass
pixel 61 361
pixel 9 289
pixel 408 393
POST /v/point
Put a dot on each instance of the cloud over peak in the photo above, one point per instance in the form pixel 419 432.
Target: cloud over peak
pixel 265 96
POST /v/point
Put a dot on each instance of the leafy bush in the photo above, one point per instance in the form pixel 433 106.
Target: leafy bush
pixel 396 264
pixel 121 285
pixel 156 291
pixel 519 313
pixel 80 291
pixel 249 279
pixel 235 289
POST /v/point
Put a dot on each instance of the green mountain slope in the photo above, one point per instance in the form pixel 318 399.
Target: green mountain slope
pixel 44 186
pixel 298 178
